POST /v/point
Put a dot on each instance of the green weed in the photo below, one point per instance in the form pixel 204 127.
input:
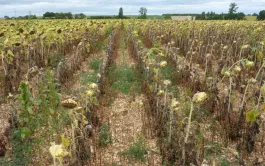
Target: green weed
pixel 108 32
pixel 104 136
pixel 89 77
pixel 54 59
pixel 33 115
pixel 137 151
pixel 95 64
pixel 225 162
pixel 168 73
pixel 124 79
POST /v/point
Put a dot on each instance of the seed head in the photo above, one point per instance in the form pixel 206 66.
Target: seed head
pixel 199 97
pixel 163 64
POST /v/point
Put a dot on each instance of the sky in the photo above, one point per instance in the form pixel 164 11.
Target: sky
pixel 111 7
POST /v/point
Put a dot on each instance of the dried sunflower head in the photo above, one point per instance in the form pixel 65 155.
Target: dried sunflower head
pixel 163 64
pixel 199 97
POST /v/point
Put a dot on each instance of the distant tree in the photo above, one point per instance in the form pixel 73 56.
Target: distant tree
pixel 207 16
pixel 167 16
pixel 240 16
pixel 203 16
pixel 27 17
pixel 143 13
pixel 261 15
pixel 69 15
pixel 120 13
pixel 254 14
pixel 49 15
pixel 61 15
pixel 103 17
pixel 232 8
pixel 231 12
pixel 80 16
pixel 222 16
pixel 6 17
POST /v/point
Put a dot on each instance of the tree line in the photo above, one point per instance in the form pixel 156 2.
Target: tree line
pixel 231 15
pixel 142 15
pixel 51 15
pixel 61 15
pixel 69 15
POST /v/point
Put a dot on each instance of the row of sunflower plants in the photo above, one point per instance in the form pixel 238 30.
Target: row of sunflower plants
pixel 165 107
pixel 28 44
pixel 41 120
pixel 231 70
pixel 83 118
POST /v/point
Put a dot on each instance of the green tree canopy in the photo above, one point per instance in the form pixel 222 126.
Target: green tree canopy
pixel 80 16
pixel 143 13
pixel 232 12
pixel 120 13
pixel 261 15
pixel 68 15
pixel 233 8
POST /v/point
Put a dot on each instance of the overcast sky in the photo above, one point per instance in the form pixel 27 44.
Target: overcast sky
pixel 130 7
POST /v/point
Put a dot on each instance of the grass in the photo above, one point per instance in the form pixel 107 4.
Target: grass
pixel 95 64
pixel 89 77
pixel 225 162
pixel 169 74
pixel 104 136
pixel 251 18
pixel 124 79
pixel 137 151
pixel 158 17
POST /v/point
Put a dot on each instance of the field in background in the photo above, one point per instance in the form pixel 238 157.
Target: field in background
pixel 148 16
pixel 251 18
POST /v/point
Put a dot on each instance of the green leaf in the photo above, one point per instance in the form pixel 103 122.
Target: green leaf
pixel 254 49
pixel 26 120
pixel 32 99
pixel 155 44
pixel 39 102
pixel 249 63
pixel 24 132
pixel 65 142
pixel 260 56
pixel 95 101
pixel 9 57
pixel 252 115
pixel 151 88
pixel 30 111
pixel 225 69
pixel 51 111
pixel 84 120
pixel 23 136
